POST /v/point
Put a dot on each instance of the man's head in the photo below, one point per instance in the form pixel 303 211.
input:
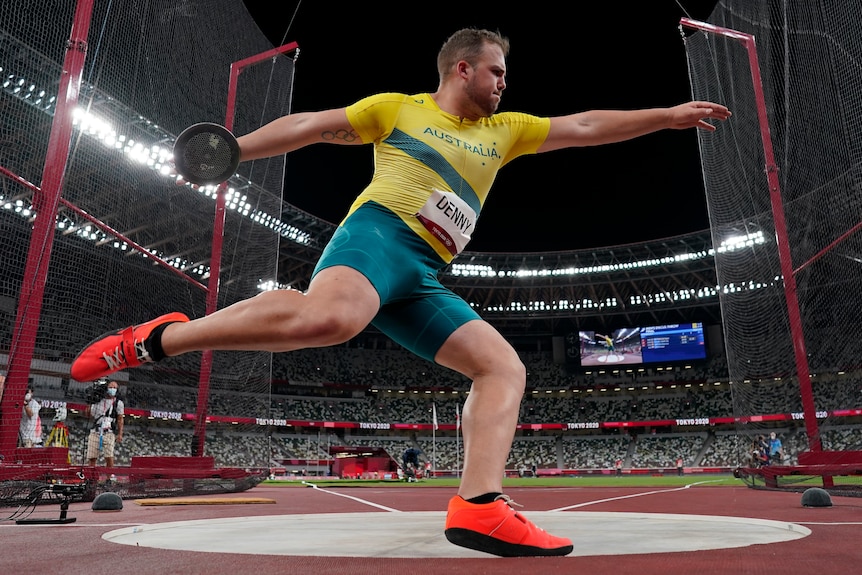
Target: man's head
pixel 477 59
pixel 112 388
pixel 467 44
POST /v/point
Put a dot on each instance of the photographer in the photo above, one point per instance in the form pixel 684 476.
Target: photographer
pixel 106 412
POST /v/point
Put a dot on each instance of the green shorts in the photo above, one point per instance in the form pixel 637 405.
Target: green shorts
pixel 416 311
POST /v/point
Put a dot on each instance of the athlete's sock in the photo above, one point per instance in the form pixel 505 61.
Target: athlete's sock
pixel 486 498
pixel 154 342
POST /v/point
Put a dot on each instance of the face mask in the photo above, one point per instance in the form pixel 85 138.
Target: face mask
pixel 112 391
pixel 28 396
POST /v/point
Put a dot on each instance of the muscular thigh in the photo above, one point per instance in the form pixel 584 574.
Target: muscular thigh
pixel 415 310
pixel 424 322
pixel 376 243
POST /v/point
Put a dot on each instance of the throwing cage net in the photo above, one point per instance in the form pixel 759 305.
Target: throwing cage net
pixel 783 179
pixel 92 96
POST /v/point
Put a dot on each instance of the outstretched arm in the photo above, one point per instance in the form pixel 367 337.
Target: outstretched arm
pixel 296 131
pixel 608 126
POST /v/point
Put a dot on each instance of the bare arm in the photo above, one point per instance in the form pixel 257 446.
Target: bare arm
pixel 608 126
pixel 296 131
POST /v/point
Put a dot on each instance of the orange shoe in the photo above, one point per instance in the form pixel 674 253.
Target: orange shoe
pixel 498 529
pixel 117 350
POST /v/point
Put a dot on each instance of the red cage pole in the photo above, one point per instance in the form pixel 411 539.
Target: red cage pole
pixel 784 256
pixel 199 437
pixel 45 204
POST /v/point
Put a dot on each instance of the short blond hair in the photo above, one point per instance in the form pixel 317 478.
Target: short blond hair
pixel 467 44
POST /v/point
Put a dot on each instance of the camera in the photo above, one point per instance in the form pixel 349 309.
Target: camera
pixel 98 391
pixel 67 489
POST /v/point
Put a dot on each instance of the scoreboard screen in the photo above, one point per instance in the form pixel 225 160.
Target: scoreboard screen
pixel 674 342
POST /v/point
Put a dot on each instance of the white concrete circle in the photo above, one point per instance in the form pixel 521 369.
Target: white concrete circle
pixel 420 534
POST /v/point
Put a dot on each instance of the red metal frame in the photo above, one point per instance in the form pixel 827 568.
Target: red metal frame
pixel 236 69
pixel 787 272
pixel 45 202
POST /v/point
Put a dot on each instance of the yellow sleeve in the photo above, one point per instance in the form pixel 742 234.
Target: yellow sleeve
pixel 374 117
pixel 528 132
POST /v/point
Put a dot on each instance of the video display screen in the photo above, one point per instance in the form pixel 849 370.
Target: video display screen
pixel 675 342
pixel 640 345
pixel 619 347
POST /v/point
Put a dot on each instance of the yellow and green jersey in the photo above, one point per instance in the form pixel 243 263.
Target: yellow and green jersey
pixel 419 148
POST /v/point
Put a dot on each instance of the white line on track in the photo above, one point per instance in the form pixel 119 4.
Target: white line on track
pixel 79 525
pixel 588 503
pixel 363 501
pixel 828 523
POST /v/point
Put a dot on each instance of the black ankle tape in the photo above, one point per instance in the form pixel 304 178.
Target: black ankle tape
pixel 154 342
pixel 487 498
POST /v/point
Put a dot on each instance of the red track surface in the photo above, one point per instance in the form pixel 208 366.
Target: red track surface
pixel 832 547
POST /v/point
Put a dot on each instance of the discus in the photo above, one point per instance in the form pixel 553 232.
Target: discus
pixel 206 154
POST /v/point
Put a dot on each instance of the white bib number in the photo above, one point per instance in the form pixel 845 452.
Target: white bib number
pixel 449 219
